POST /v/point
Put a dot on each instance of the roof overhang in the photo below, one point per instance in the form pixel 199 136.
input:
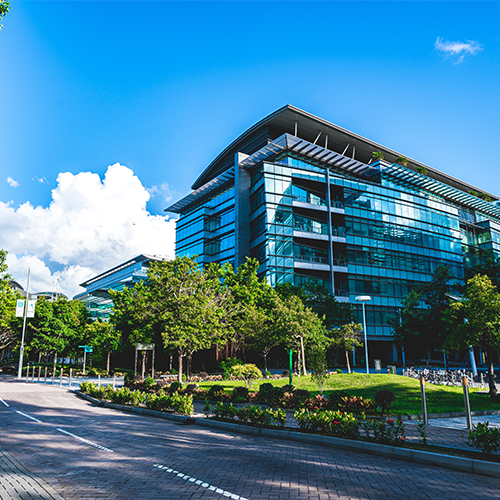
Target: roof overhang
pixel 289 119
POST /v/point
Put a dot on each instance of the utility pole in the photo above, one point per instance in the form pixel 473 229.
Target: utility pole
pixel 21 352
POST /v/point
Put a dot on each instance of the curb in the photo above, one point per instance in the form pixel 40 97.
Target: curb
pixel 416 456
pixel 182 419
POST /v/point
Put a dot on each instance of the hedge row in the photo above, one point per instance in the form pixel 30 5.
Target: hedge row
pixel 179 403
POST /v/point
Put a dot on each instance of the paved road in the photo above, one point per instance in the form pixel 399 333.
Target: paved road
pixel 70 448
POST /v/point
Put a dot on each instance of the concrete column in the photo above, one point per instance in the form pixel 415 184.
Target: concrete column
pixel 241 210
pixel 330 234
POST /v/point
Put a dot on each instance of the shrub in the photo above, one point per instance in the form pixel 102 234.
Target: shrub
pixel 384 400
pixel 266 373
pixel 335 399
pixel 265 391
pixel 240 394
pixel 332 423
pixel 288 388
pixel 338 371
pixel 149 383
pixel 289 400
pixel 275 395
pixel 247 372
pixel 316 403
pixel 203 375
pixel 484 437
pixel 190 389
pixel 302 395
pixel 132 380
pixel 285 373
pixel 227 366
pixel 384 431
pixel 357 405
pixel 252 413
pixel 217 393
pixel 174 387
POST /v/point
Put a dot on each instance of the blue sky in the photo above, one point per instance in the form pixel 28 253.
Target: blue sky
pixel 162 87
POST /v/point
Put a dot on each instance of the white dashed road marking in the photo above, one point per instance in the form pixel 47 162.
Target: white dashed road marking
pixel 85 440
pixel 201 483
pixel 6 404
pixel 29 416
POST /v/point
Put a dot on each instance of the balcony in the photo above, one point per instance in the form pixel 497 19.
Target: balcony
pixel 318 204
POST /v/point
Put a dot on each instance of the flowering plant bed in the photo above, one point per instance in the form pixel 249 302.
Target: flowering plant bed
pixel 175 402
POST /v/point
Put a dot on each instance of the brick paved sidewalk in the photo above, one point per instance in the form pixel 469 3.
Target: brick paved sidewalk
pixel 16 483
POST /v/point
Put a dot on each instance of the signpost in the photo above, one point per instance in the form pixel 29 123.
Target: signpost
pixel 144 347
pixel 86 349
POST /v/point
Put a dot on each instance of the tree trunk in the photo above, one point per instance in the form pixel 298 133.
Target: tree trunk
pixel 304 371
pixel 171 361
pixel 55 360
pixel 491 376
pixel 264 355
pixel 108 363
pixel 180 368
pixel 428 357
pixel 347 359
pixel 143 364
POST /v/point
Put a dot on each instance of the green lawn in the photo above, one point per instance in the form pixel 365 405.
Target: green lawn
pixel 440 399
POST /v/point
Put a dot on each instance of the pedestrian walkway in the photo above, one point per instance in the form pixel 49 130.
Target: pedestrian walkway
pixel 16 483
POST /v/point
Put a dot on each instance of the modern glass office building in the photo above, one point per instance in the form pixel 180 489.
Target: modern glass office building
pixel 97 299
pixel 305 198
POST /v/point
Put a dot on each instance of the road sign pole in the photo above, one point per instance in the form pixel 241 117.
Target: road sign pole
pixel 84 359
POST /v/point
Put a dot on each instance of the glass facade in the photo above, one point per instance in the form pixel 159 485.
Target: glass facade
pixel 378 234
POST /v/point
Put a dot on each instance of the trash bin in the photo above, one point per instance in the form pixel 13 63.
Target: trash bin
pixel 391 369
pixel 378 365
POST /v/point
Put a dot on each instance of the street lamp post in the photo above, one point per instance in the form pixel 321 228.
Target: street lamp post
pixel 363 299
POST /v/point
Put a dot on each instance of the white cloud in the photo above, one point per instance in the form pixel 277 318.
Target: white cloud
pixel 41 180
pixel 90 226
pixel 12 183
pixel 457 50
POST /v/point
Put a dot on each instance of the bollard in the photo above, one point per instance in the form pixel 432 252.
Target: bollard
pixel 27 372
pixel 60 377
pixel 114 380
pixel 33 374
pixel 465 385
pixel 45 378
pixel 53 375
pixel 39 371
pixel 99 381
pixel 424 401
pixel 70 375
pixel 482 380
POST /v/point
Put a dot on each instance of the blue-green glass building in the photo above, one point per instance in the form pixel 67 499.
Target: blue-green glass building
pixel 305 198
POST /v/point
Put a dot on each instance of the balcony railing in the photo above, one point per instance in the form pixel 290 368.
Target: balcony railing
pixel 318 201
pixel 320 260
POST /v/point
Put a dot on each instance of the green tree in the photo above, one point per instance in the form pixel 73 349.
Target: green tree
pixel 9 326
pixel 302 326
pixel 57 328
pixel 192 309
pixel 427 327
pixel 480 313
pixel 489 266
pixel 103 336
pixel 4 8
pixel 347 337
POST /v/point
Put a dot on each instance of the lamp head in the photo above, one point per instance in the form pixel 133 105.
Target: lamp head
pixel 363 298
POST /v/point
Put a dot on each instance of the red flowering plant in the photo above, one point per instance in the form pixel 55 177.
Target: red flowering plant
pixel 390 431
pixel 332 423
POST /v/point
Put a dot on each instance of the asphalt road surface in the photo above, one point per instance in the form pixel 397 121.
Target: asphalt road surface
pixel 54 445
